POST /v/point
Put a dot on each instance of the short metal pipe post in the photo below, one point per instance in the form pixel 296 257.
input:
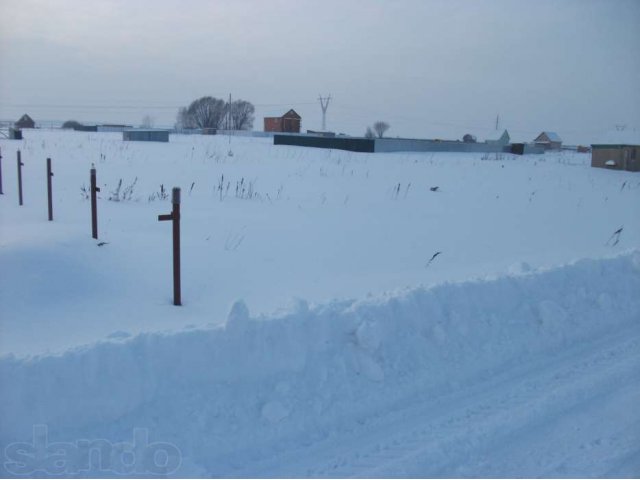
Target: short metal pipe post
pixel 49 192
pixel 1 192
pixel 174 216
pixel 94 204
pixel 175 200
pixel 20 164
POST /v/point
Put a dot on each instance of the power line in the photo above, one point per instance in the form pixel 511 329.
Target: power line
pixel 362 113
pixel 93 107
pixel 130 107
pixel 282 104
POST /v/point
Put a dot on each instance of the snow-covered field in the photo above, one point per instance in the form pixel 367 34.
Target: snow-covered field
pixel 319 335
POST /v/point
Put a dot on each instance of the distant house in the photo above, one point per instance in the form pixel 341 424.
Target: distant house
pixel 549 141
pixel 289 122
pixel 618 150
pixel 25 122
pixel 503 139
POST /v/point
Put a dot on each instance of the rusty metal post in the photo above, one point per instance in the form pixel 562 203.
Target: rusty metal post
pixel 1 192
pixel 94 204
pixel 174 216
pixel 49 192
pixel 20 164
pixel 175 200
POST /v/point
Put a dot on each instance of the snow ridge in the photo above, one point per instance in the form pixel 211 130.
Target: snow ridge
pixel 231 396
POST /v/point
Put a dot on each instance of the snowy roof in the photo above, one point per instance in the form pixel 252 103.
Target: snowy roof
pixel 628 136
pixel 292 113
pixel 489 134
pixel 548 137
pixel 504 136
pixel 552 136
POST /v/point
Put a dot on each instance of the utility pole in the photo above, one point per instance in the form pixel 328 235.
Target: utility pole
pixel 497 121
pixel 324 103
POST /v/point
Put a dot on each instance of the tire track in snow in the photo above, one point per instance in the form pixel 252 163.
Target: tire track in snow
pixel 443 446
pixel 435 436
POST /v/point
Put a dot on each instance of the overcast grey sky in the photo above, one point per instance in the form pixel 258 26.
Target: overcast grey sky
pixel 430 68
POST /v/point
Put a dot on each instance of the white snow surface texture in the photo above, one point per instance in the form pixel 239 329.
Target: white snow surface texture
pixel 258 396
pixel 514 353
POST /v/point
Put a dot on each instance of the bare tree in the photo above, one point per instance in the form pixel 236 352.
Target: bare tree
pixel 147 121
pixel 369 133
pixel 184 120
pixel 468 138
pixel 241 113
pixel 205 112
pixel 380 128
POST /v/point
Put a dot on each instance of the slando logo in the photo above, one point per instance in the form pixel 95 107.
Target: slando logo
pixel 99 456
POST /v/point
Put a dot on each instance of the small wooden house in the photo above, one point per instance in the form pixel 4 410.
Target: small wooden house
pixel 549 141
pixel 25 122
pixel 289 122
pixel 619 150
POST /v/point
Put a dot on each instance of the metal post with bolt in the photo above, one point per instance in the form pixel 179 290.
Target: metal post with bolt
pixel 49 192
pixel 94 204
pixel 20 165
pixel 174 216
pixel 1 192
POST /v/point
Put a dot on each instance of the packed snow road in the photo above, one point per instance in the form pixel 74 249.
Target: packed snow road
pixel 571 415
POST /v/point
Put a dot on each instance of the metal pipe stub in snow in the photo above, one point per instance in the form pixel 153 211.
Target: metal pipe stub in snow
pixel 1 192
pixel 20 165
pixel 94 204
pixel 174 216
pixel 49 192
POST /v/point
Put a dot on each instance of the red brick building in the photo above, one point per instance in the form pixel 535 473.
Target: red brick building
pixel 289 122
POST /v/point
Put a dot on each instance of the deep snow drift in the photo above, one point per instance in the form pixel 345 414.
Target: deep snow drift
pixel 516 359
pixel 231 399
